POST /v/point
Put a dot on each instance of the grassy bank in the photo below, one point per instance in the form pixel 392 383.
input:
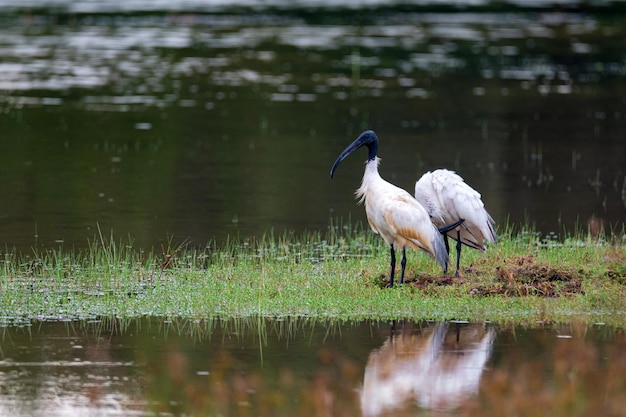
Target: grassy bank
pixel 339 274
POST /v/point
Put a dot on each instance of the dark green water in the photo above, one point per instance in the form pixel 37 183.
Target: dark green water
pixel 297 367
pixel 185 120
pixel 208 123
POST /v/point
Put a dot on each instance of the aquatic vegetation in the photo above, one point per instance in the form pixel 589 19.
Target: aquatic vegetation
pixel 338 274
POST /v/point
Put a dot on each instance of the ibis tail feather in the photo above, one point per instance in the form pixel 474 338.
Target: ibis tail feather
pixel 441 254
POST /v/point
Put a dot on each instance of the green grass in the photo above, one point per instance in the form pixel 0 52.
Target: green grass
pixel 340 274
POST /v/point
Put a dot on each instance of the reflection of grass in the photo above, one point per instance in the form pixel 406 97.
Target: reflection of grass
pixel 339 274
pixel 571 369
pixel 570 376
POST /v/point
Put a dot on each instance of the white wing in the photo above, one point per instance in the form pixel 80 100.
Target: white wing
pixel 448 199
pixel 399 218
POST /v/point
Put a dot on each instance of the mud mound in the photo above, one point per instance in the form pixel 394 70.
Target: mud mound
pixel 515 277
pixel 616 268
pixel 526 276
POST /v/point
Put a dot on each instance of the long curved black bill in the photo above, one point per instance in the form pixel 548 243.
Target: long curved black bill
pixel 343 155
pixel 367 138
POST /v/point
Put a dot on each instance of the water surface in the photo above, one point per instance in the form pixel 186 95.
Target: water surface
pixel 299 367
pixel 206 122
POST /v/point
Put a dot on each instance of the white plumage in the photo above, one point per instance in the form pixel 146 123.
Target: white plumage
pixel 392 212
pixel 426 367
pixel 396 216
pixel 447 199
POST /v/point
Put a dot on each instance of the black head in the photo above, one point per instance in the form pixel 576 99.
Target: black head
pixel 367 138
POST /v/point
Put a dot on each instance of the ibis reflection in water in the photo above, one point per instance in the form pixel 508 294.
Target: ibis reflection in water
pixel 436 368
pixel 447 199
pixel 392 212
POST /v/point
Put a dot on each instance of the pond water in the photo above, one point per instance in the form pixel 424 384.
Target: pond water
pixel 299 367
pixel 170 121
pixel 180 120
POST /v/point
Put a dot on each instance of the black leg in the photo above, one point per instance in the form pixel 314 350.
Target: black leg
pixel 458 252
pixel 403 263
pixel 393 266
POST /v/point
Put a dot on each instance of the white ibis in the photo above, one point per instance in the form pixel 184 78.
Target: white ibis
pixel 392 212
pixel 437 368
pixel 447 198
